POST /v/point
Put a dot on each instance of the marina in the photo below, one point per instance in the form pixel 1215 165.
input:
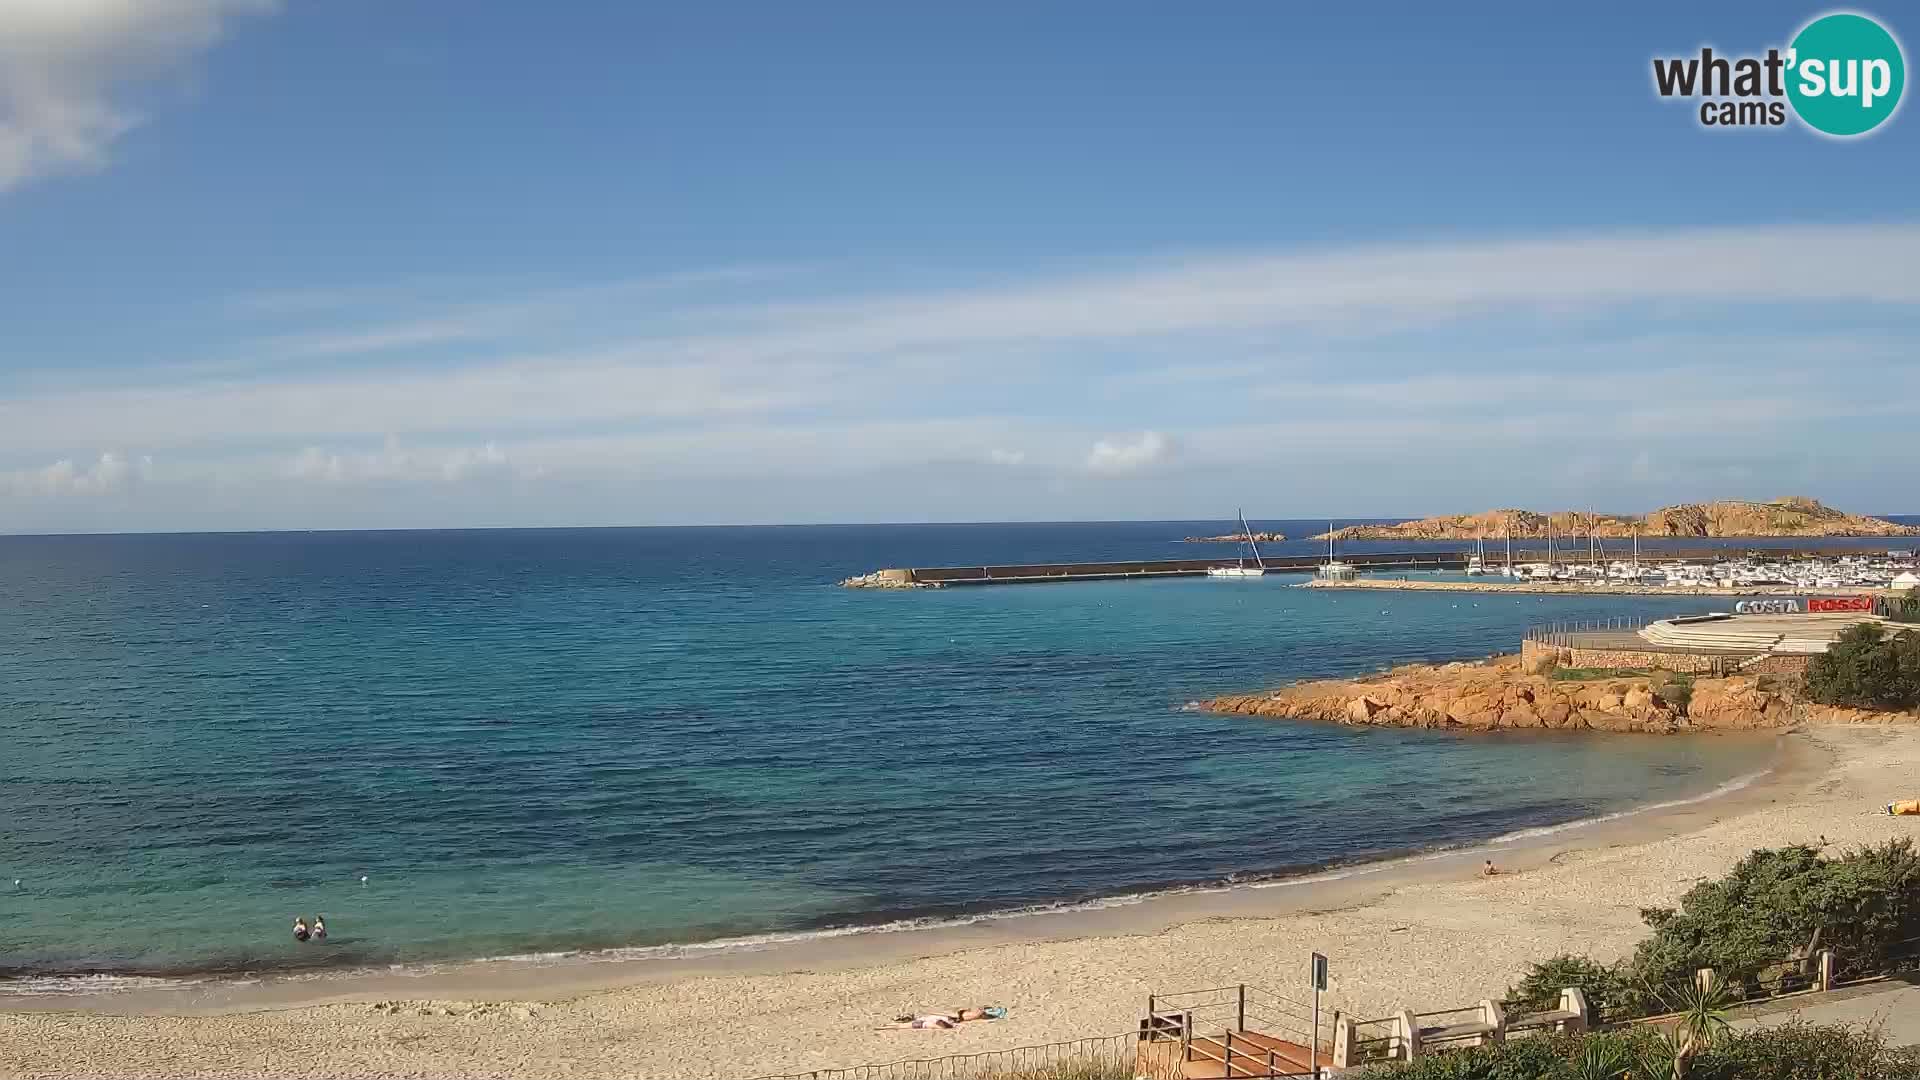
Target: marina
pixel 1827 566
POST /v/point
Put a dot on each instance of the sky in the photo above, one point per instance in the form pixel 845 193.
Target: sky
pixel 271 264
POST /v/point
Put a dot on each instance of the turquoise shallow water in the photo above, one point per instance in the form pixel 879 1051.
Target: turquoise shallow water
pixel 544 741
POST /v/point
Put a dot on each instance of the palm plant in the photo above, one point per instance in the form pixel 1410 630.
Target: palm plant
pixel 1700 1019
pixel 1602 1058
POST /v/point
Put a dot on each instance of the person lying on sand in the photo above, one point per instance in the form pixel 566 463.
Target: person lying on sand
pixel 951 1018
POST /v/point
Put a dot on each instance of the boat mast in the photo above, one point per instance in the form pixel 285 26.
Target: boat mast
pixel 1549 539
pixel 1509 531
pixel 1244 527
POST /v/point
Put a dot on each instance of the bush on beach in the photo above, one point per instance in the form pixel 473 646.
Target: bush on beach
pixel 1791 1051
pixel 1785 903
pixel 1866 668
pixel 1766 918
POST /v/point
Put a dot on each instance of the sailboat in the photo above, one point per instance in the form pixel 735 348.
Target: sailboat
pixel 1259 567
pixel 1333 569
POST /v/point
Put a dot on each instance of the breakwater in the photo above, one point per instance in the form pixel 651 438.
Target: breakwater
pixel 934 577
pixel 1019 574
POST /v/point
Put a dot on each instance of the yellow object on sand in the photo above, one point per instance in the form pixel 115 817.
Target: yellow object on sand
pixel 1907 808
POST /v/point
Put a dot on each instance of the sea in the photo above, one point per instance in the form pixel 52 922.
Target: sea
pixel 656 741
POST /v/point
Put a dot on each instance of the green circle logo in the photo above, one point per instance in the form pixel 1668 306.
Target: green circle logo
pixel 1845 74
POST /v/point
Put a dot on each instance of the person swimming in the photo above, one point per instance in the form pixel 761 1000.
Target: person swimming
pixel 319 931
pixel 300 931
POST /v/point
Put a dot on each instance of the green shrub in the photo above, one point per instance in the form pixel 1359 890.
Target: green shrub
pixel 1674 688
pixel 1587 674
pixel 1607 988
pixel 1906 608
pixel 1777 903
pixel 1792 1051
pixel 1867 669
pixel 1798 1051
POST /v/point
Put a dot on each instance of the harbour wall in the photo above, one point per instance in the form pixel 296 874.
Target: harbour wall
pixel 1678 661
pixel 1024 573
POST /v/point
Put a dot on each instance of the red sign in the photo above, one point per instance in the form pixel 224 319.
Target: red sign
pixel 1840 603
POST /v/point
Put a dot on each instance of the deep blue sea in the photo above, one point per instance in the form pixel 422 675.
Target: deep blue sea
pixel 539 741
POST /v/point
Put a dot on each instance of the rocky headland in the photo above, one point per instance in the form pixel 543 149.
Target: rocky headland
pixel 1791 516
pixel 1497 695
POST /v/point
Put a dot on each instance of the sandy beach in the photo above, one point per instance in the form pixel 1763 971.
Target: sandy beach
pixel 1428 933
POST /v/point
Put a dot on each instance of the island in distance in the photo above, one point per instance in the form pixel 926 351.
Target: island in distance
pixel 1238 538
pixel 1792 516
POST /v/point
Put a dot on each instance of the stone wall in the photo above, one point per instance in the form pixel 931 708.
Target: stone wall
pixel 1689 663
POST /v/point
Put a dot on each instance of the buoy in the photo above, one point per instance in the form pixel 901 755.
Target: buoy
pixel 363 879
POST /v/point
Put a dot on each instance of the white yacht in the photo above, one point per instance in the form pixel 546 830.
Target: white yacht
pixel 1242 570
pixel 1477 562
pixel 1333 569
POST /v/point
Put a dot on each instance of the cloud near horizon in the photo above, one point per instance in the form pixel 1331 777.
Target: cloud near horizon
pixel 107 474
pixel 1128 455
pixel 1424 363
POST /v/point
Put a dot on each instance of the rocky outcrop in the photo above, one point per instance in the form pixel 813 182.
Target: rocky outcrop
pixel 1235 538
pixel 1781 517
pixel 1496 695
pixel 1791 516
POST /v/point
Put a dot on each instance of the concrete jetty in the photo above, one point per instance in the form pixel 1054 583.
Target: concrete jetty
pixel 935 577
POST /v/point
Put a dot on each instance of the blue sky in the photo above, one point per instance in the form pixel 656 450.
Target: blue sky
pixel 381 264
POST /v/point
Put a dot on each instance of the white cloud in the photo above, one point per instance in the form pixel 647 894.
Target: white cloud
pixel 396 463
pixel 1148 448
pixel 110 473
pixel 997 456
pixel 65 66
pixel 869 356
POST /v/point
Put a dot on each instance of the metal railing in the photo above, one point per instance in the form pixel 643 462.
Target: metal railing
pixel 1112 1056
pixel 1558 633
pixel 1236 1008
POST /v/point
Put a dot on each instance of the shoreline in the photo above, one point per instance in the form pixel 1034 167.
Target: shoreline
pixel 218 992
pixel 841 948
pixel 1426 932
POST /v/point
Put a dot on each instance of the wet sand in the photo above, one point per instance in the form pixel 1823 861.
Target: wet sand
pixel 1426 932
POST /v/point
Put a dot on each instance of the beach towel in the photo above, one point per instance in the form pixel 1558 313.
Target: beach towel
pixel 1904 808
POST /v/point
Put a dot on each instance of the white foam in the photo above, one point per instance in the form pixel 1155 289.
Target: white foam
pixel 65 985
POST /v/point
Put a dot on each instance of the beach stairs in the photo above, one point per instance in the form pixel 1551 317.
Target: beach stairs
pixel 1226 1033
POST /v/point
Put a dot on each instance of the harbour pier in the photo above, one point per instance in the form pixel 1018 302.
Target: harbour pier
pixel 1032 573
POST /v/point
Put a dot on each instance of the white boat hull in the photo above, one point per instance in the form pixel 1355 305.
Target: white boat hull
pixel 1235 571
